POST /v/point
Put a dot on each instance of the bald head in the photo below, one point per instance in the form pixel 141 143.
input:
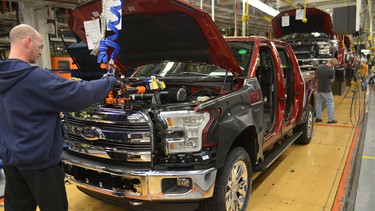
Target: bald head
pixel 25 43
pixel 21 31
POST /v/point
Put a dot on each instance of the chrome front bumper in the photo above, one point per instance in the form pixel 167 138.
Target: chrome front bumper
pixel 306 64
pixel 119 181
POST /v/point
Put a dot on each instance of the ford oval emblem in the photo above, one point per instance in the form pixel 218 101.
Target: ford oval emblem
pixel 92 133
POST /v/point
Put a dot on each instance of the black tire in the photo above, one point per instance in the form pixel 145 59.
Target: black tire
pixel 228 189
pixel 306 128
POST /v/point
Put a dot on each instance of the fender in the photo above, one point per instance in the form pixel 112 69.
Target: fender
pixel 309 84
pixel 310 99
pixel 238 114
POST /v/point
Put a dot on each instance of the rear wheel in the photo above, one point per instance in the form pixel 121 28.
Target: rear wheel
pixel 233 184
pixel 306 128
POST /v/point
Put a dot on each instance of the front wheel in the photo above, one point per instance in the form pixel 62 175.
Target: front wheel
pixel 233 184
pixel 306 128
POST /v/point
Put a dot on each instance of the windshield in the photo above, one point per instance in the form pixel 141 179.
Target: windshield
pixel 242 51
pixel 311 35
pixel 173 69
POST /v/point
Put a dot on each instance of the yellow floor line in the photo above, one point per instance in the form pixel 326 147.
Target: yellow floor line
pixel 369 157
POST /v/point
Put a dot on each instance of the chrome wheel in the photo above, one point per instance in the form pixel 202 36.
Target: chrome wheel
pixel 233 184
pixel 306 127
pixel 237 186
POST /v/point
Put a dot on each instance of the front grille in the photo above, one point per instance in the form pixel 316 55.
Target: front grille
pixel 105 143
pixel 117 139
pixel 304 51
pixel 116 126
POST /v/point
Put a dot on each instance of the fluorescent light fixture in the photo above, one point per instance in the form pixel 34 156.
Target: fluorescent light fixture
pixel 263 7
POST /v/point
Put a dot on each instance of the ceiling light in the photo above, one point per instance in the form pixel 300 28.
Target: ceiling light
pixel 263 7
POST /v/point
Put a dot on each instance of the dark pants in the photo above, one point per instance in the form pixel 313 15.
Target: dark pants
pixel 27 189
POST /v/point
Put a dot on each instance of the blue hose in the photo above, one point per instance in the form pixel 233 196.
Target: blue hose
pixel 110 41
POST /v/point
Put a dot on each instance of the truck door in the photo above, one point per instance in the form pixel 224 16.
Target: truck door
pixel 268 77
pixel 289 87
pixel 288 82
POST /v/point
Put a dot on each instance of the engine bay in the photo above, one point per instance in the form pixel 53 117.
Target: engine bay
pixel 166 86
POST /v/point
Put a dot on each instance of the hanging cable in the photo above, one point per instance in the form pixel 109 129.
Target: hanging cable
pixel 246 17
pixel 110 41
pixel 356 105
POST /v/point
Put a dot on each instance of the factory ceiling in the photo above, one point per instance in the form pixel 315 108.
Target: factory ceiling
pixel 227 14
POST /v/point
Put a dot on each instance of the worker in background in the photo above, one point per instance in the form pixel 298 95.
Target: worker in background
pixel 325 75
pixel 31 99
pixel 363 74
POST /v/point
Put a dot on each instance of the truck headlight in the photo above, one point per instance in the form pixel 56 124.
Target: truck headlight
pixel 324 48
pixel 184 130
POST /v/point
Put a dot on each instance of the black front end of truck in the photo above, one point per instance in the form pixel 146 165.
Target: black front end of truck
pixel 131 153
pixel 168 151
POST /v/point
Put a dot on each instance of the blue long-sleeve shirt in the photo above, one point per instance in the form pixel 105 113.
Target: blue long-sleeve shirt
pixel 31 99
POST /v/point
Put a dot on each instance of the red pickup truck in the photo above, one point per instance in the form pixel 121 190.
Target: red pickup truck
pixel 197 118
pixel 314 42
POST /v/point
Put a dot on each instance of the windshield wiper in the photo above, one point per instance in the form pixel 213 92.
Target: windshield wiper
pixel 194 74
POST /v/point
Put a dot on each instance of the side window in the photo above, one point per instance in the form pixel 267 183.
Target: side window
pixel 242 52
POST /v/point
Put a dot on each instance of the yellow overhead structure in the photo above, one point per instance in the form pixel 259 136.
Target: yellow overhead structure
pixel 291 4
pixel 304 14
pixel 246 17
pixel 369 37
pixel 267 18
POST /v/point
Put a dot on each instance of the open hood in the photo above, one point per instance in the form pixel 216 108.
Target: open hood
pixel 317 21
pixel 159 30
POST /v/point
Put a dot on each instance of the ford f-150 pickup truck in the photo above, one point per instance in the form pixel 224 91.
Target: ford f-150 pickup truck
pixel 200 114
pixel 314 42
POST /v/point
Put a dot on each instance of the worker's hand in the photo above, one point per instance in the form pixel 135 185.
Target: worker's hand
pixel 119 85
pixel 109 74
